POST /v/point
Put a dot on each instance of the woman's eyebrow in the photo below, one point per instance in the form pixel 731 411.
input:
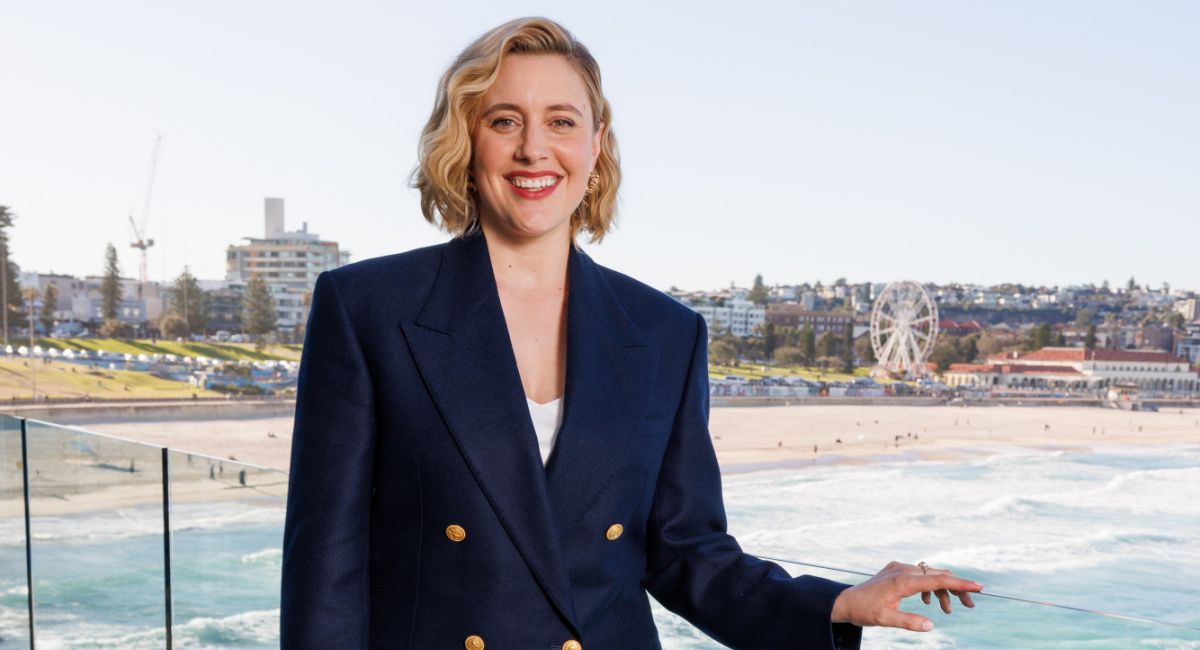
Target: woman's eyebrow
pixel 502 107
pixel 565 107
pixel 517 109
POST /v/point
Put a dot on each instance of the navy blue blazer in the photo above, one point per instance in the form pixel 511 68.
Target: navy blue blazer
pixel 420 514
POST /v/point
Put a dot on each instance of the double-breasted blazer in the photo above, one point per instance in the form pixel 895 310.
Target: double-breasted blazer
pixel 420 514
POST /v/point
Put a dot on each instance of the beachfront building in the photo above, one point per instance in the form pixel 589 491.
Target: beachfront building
pixel 289 262
pixel 81 301
pixel 1079 368
pixel 737 316
pixel 1014 376
pixel 795 315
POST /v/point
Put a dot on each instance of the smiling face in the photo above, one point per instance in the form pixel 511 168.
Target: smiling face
pixel 533 147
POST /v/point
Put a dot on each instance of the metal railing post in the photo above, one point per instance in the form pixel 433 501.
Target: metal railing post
pixel 166 498
pixel 28 536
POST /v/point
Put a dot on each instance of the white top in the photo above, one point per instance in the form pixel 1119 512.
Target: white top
pixel 546 420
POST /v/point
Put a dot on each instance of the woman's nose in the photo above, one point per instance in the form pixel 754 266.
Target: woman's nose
pixel 533 144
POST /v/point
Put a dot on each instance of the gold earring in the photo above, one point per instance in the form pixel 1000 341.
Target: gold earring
pixel 593 183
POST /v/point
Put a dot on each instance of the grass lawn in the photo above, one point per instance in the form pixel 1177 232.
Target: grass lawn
pixel 65 379
pixel 758 371
pixel 223 351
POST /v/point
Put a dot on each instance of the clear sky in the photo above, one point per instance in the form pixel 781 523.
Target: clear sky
pixel 1026 141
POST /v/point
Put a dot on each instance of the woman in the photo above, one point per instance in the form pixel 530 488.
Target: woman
pixel 499 442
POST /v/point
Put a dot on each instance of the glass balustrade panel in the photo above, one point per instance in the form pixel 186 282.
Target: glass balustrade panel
pixel 226 536
pixel 96 523
pixel 14 603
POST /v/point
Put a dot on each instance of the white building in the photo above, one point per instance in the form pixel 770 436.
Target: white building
pixel 289 262
pixel 740 317
pixel 82 300
pixel 1054 367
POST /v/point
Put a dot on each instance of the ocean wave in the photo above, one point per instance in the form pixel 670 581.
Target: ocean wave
pixel 1170 644
pixel 259 627
pixel 1007 505
pixel 1049 556
pixel 244 629
pixel 132 523
pixel 267 555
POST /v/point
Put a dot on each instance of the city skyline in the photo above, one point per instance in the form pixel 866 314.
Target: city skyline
pixel 1115 285
pixel 946 143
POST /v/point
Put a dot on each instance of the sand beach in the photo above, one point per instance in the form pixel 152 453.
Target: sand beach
pixel 748 438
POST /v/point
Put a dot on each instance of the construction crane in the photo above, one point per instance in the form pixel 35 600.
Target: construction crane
pixel 140 242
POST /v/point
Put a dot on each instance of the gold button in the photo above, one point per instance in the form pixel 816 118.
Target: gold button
pixel 614 531
pixel 456 533
pixel 473 642
pixel 572 645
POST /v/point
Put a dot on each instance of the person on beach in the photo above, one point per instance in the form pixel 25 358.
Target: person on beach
pixel 500 443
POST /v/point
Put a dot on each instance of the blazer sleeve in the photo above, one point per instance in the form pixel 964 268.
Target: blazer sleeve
pixel 697 570
pixel 324 600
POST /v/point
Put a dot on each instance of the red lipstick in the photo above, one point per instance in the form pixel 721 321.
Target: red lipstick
pixel 533 192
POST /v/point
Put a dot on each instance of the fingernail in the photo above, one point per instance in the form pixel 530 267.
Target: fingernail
pixel 927 626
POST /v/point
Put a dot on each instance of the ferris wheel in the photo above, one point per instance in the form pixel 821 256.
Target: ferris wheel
pixel 904 327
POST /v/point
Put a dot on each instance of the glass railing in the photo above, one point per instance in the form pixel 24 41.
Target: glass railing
pixel 109 543
pixel 133 545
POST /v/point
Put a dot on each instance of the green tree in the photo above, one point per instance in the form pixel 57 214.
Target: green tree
pixel 808 344
pixel 49 306
pixel 1131 285
pixel 864 350
pixel 1089 341
pixel 258 310
pixel 758 294
pixel 12 289
pixel 172 326
pixel 110 288
pixel 752 348
pixel 1039 337
pixel 988 345
pixel 1060 339
pixel 115 329
pixel 770 340
pixel 827 345
pixel 848 347
pixel 190 302
pixel 968 348
pixel 788 356
pixel 722 353
pixel 945 352
pixel 1083 318
pixel 1175 320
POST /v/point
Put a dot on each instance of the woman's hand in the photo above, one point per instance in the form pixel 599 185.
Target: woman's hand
pixel 875 601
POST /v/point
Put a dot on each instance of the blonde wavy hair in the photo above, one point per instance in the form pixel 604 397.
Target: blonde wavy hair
pixel 444 156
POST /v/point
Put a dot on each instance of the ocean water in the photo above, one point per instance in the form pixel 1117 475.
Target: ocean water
pixel 1116 530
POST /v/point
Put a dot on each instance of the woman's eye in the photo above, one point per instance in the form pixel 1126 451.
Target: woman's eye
pixel 502 122
pixel 563 123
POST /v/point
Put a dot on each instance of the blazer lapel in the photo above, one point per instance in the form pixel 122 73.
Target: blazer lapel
pixel 462 349
pixel 609 370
